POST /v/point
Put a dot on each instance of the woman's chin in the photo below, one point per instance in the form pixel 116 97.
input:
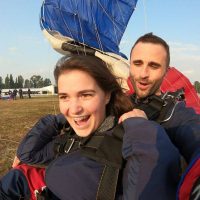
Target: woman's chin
pixel 82 133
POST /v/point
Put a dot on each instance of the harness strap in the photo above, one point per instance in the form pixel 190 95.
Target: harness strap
pixel 108 183
pixel 153 108
pixel 106 149
pixel 72 144
pixel 171 100
pixel 108 153
pixel 156 107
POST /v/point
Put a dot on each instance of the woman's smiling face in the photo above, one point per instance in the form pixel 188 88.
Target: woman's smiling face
pixel 82 101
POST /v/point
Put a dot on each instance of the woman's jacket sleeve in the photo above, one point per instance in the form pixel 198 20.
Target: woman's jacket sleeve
pixel 37 147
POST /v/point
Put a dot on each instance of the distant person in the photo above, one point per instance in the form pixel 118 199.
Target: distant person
pixel 0 93
pixel 10 94
pixel 21 93
pixel 15 94
pixel 29 93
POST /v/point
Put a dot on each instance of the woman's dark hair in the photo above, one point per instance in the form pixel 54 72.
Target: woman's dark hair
pixel 98 70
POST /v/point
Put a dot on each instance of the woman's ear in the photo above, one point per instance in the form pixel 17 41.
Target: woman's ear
pixel 108 95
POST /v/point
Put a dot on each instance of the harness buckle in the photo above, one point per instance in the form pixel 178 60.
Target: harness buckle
pixel 69 144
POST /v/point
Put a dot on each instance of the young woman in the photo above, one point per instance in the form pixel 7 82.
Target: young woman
pixel 87 163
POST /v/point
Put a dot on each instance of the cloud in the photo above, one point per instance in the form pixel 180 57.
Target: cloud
pixel 186 58
pixel 188 71
pixel 189 50
pixel 179 47
pixel 13 49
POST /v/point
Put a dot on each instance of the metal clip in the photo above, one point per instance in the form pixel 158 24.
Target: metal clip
pixel 70 143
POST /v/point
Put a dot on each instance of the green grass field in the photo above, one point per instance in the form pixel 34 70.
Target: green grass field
pixel 16 119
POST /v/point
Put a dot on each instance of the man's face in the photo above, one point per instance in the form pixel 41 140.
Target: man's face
pixel 148 67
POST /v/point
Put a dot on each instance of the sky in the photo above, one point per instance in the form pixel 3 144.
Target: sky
pixel 25 51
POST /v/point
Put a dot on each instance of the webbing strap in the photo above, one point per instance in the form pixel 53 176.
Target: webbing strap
pixel 108 183
pixel 156 107
pixel 195 193
pixel 72 144
pixel 108 153
pixel 153 108
pixel 106 149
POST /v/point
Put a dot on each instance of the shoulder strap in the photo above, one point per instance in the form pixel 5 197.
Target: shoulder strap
pixel 153 107
pixel 108 153
pixel 156 107
pixel 106 149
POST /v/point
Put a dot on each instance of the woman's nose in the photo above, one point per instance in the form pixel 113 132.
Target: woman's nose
pixel 75 107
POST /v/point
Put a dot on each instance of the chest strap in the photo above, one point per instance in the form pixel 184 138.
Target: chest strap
pixel 105 149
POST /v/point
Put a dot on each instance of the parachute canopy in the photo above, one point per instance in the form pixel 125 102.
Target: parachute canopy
pixel 99 24
pixel 175 80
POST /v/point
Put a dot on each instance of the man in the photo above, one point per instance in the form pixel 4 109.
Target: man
pixel 21 93
pixel 149 62
pixel 15 94
pixel 29 93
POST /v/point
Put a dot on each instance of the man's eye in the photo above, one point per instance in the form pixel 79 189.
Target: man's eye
pixel 154 66
pixel 137 63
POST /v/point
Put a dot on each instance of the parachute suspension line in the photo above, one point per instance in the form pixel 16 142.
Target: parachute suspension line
pixel 145 16
pixel 121 13
pixel 83 41
pixel 108 15
pixel 42 10
pixel 97 34
pixel 111 19
pixel 64 21
pixel 68 27
pixel 98 37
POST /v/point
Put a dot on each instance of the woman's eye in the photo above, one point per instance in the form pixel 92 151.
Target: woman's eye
pixel 86 95
pixel 63 97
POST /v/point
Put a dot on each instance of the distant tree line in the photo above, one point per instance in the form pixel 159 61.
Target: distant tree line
pixel 36 81
pixel 197 86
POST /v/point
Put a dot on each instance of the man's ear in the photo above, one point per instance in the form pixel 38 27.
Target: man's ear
pixel 167 69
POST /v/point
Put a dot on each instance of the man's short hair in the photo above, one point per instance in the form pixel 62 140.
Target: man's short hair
pixel 151 38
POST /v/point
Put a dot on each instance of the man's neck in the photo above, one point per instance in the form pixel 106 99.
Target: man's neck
pixel 137 100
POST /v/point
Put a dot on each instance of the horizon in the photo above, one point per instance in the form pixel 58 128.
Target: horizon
pixel 25 51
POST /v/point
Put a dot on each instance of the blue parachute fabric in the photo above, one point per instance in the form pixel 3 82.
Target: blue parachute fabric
pixel 97 23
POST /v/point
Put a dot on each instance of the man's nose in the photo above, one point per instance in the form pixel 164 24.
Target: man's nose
pixel 144 72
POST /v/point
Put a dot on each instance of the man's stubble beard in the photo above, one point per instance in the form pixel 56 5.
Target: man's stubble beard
pixel 154 89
